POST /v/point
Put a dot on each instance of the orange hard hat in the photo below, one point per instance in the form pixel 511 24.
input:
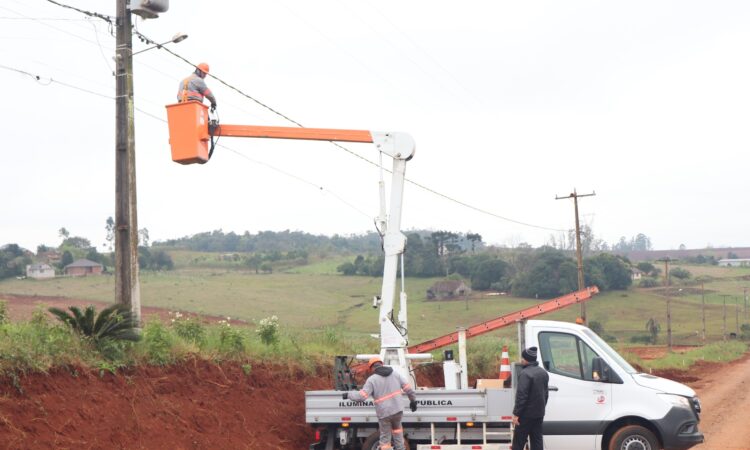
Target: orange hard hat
pixel 203 67
pixel 374 360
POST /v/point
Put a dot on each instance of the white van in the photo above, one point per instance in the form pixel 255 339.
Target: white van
pixel 597 401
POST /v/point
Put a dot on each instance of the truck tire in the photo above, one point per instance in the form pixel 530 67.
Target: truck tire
pixel 634 437
pixel 373 442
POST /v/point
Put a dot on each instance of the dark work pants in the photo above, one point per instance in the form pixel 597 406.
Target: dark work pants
pixel 530 429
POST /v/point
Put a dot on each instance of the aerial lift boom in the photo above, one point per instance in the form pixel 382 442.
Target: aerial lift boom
pixel 190 130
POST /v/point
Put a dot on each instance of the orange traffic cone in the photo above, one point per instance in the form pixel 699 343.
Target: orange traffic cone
pixel 505 364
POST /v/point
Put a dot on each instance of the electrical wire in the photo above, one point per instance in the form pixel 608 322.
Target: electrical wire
pixel 287 118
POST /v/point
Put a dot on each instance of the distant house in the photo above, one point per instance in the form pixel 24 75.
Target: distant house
pixel 40 271
pixel 447 289
pixel 83 267
pixel 735 262
pixel 635 274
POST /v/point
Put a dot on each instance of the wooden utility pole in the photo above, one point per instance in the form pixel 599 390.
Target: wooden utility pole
pixel 736 317
pixel 127 285
pixel 724 330
pixel 745 292
pixel 666 261
pixel 703 312
pixel 581 284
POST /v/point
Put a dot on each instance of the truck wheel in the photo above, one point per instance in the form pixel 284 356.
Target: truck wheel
pixel 373 442
pixel 633 437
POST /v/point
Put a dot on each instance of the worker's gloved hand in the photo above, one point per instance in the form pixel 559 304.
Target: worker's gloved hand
pixel 345 396
pixel 413 406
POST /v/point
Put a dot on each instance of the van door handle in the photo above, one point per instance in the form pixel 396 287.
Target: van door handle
pixel 553 388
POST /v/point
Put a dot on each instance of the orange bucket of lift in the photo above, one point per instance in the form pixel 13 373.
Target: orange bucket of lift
pixel 188 132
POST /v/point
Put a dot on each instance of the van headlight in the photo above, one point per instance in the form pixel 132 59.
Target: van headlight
pixel 675 400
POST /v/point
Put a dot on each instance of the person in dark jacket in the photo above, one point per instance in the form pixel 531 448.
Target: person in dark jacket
pixel 531 401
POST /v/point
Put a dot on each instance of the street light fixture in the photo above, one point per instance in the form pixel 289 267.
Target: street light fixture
pixel 179 37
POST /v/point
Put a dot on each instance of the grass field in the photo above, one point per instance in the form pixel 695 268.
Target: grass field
pixel 314 296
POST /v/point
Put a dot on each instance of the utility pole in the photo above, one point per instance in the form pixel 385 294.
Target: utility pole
pixel 736 317
pixel 703 312
pixel 724 331
pixel 666 261
pixel 127 285
pixel 581 284
pixel 745 292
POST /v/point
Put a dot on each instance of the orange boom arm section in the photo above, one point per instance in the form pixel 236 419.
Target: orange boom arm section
pixel 189 136
pixel 508 319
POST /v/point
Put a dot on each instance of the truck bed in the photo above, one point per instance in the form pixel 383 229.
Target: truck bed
pixel 435 405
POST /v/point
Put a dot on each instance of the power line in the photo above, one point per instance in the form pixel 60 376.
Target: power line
pixel 318 187
pixel 40 79
pixel 285 117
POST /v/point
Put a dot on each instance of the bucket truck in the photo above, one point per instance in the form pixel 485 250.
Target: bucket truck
pixel 597 400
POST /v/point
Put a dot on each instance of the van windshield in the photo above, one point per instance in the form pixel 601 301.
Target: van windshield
pixel 613 355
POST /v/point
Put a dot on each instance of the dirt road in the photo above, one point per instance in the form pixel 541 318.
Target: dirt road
pixel 726 405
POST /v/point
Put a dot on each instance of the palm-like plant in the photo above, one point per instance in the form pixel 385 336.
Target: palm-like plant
pixel 114 322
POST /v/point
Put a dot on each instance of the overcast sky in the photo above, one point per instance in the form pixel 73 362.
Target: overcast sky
pixel 510 103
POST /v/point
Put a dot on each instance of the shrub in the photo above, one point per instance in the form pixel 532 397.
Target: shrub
pixel 114 322
pixel 648 283
pixel 4 318
pixel 231 341
pixel 189 329
pixel 679 272
pixel 158 343
pixel 268 330
pixel 640 339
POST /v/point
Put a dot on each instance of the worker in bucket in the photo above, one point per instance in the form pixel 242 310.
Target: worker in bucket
pixel 194 87
pixel 386 386
pixel 531 401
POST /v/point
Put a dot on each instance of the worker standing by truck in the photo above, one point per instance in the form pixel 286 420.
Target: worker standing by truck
pixel 194 87
pixel 386 387
pixel 531 402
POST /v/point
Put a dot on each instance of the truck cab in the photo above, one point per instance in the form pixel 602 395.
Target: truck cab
pixel 599 401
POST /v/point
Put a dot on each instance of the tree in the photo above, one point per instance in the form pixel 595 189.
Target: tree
pixel 489 272
pixel 13 261
pixel 347 269
pixel 473 238
pixel 76 242
pixel 254 262
pixel 143 237
pixel 550 274
pixel 63 233
pixel 679 272
pixel 67 258
pixel 613 271
pixel 110 227
pixel 645 267
pixel 653 327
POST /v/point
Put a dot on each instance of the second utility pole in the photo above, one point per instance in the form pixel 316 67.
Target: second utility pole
pixel 579 256
pixel 666 260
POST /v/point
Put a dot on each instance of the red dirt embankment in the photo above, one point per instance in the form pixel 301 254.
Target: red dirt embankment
pixel 196 405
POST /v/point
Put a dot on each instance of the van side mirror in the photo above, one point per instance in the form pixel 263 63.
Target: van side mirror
pixel 600 371
pixel 597 370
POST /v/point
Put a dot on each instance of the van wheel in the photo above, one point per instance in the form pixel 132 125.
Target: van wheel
pixel 373 442
pixel 633 437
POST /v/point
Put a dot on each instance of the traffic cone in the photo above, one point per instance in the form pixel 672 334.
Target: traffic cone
pixel 504 364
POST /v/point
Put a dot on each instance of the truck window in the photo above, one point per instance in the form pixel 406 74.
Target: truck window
pixel 565 354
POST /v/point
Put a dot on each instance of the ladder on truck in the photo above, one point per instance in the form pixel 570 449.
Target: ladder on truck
pixel 499 322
